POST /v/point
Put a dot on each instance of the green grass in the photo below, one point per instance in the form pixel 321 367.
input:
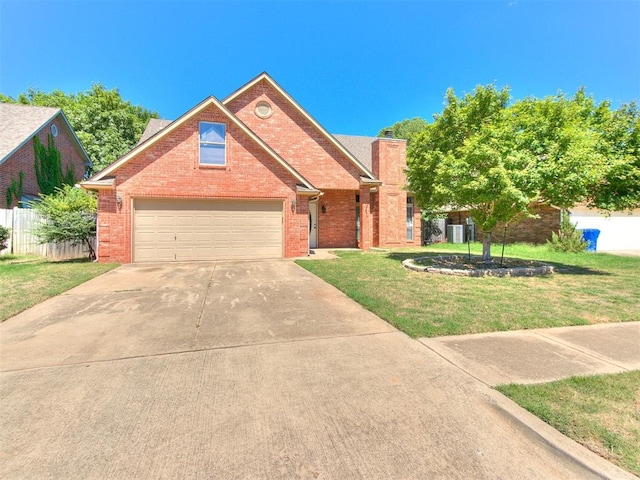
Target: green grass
pixel 588 288
pixel 600 412
pixel 26 280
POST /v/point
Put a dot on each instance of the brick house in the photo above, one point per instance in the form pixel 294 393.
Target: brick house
pixel 19 124
pixel 252 176
pixel 529 230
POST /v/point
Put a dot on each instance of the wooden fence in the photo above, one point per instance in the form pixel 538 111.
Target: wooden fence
pixel 21 222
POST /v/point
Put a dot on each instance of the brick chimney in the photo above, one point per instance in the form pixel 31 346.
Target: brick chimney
pixel 388 163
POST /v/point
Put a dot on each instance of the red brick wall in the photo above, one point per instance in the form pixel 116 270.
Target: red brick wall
pixel 23 160
pixel 296 140
pixel 529 230
pixel 390 209
pixel 337 227
pixel 169 168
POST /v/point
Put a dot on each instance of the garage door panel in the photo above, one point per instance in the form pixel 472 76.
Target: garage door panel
pixel 178 230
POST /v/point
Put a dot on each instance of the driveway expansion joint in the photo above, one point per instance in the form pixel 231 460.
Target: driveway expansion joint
pixel 198 350
pixel 204 300
pixel 448 360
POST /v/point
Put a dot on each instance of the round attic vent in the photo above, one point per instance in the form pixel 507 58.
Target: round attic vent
pixel 54 130
pixel 263 110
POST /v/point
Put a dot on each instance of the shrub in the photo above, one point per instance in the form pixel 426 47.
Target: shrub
pixel 5 234
pixel 568 239
pixel 69 216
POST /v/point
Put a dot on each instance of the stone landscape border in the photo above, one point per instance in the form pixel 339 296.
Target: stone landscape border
pixel 540 270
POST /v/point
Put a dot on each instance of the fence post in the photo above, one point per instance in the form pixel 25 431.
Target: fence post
pixel 14 230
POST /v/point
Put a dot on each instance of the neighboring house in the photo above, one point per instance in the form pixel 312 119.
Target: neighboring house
pixel 19 124
pixel 252 176
pixel 528 230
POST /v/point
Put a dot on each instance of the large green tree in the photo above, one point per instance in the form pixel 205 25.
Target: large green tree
pixel 619 189
pixel 498 159
pixel 107 125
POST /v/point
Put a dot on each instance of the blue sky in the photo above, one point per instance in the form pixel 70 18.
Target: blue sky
pixel 356 66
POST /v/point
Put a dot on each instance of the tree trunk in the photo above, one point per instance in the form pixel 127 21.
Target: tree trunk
pixel 486 247
pixel 92 253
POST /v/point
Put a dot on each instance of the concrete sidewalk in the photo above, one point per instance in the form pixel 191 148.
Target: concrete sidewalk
pixel 543 355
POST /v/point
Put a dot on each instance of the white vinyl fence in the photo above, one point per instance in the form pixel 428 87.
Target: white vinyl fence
pixel 21 222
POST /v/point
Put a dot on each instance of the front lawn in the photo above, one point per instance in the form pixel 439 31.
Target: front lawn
pixel 588 288
pixel 27 281
pixel 600 412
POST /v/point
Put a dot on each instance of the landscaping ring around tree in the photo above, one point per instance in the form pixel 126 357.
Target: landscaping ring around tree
pixel 475 266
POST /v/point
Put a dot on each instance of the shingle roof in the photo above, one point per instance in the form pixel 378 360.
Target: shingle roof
pixel 18 123
pixel 360 147
pixel 153 127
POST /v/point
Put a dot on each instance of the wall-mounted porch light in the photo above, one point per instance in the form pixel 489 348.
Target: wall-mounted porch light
pixel 119 201
pixel 323 208
pixel 293 204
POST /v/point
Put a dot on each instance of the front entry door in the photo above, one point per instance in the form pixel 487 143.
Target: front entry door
pixel 313 225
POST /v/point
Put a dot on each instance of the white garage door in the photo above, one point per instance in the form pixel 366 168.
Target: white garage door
pixel 186 230
pixel 619 231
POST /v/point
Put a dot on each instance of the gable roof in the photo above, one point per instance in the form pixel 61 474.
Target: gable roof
pixel 19 123
pixel 264 76
pixel 154 137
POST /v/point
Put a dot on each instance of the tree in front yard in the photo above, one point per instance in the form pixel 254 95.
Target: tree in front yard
pixel 620 131
pixel 499 161
pixel 460 161
pixel 69 214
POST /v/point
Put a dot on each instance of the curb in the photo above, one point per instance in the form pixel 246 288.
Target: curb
pixel 556 441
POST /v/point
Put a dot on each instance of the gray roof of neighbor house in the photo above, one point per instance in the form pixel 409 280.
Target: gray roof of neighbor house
pixel 18 124
pixel 359 146
pixel 153 127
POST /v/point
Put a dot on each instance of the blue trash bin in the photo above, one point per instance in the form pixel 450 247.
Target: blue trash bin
pixel 591 235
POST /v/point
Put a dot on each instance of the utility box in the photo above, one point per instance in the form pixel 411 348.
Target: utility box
pixel 455 233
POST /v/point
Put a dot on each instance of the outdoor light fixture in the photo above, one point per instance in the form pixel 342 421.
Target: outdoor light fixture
pixel 323 208
pixel 119 201
pixel 293 204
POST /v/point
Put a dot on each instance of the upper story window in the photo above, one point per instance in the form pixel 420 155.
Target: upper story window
pixel 212 144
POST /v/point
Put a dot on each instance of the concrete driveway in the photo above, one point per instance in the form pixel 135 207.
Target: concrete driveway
pixel 249 370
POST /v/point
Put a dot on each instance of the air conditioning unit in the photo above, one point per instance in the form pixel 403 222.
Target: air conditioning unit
pixel 455 233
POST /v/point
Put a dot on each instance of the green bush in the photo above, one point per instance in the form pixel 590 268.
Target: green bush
pixel 568 239
pixel 5 234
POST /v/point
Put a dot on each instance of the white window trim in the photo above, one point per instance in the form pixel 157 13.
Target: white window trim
pixel 411 203
pixel 224 144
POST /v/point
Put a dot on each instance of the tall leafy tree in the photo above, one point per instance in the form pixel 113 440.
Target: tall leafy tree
pixel 107 125
pixel 498 159
pixel 619 189
pixel 459 161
